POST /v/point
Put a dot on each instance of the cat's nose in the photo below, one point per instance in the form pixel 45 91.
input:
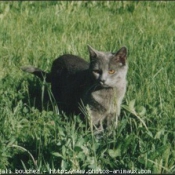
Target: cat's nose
pixel 102 81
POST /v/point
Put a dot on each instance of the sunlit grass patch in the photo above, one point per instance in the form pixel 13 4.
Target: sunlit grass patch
pixel 33 133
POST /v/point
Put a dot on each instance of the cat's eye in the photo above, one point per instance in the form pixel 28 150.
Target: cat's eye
pixel 97 71
pixel 111 71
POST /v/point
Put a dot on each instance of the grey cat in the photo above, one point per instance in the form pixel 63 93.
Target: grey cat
pixel 94 89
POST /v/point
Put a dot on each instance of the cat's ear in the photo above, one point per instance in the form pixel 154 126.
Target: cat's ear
pixel 121 55
pixel 92 52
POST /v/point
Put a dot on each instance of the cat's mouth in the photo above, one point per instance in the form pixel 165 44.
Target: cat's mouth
pixel 103 84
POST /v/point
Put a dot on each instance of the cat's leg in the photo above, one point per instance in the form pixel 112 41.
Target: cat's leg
pixel 98 129
pixel 95 119
pixel 96 122
pixel 117 114
pixel 112 118
pixel 38 72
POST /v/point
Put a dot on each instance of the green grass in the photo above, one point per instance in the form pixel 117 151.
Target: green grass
pixel 34 136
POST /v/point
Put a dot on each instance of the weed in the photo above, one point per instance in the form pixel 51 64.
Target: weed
pixel 33 133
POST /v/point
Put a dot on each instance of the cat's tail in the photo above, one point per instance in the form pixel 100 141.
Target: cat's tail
pixel 38 72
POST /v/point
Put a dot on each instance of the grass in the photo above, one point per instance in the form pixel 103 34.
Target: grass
pixel 35 137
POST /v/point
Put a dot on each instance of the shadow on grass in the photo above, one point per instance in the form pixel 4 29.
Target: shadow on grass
pixel 30 93
pixel 38 94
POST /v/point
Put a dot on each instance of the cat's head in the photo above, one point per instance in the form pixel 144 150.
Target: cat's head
pixel 108 69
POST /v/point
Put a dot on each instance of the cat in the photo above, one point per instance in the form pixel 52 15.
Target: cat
pixel 94 90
